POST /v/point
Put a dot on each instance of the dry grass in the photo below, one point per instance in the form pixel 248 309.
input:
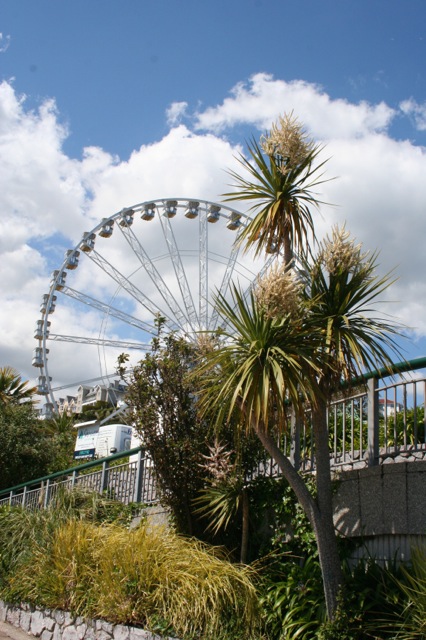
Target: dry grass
pixel 147 576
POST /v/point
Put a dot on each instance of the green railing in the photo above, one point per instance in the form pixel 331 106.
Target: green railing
pixel 377 419
pixel 126 476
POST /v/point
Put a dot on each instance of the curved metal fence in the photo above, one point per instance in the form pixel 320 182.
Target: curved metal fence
pixel 379 419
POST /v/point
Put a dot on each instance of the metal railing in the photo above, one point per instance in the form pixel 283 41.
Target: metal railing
pixel 380 419
pixel 127 477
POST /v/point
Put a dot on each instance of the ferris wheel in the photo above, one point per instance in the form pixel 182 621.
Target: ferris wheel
pixel 167 258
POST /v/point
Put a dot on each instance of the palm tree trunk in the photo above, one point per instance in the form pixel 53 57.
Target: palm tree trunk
pixel 288 251
pixel 245 526
pixel 320 511
pixel 290 474
pixel 326 537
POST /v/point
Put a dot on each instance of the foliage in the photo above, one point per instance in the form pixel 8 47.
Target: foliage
pixel 21 528
pixel 294 605
pixel 292 536
pixel 168 425
pixel 410 623
pixel 226 500
pixel 280 184
pixel 167 420
pixel 146 576
pixel 12 389
pixel 97 411
pixel 29 447
pixel 61 434
pixel 404 426
pixel 369 606
pixel 268 362
pixel 339 294
pixel 24 449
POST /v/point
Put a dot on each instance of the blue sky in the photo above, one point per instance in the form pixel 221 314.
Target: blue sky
pixel 103 104
pixel 114 67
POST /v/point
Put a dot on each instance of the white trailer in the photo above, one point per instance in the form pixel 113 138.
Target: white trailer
pixel 94 441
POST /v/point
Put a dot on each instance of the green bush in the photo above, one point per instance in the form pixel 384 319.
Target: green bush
pixel 145 576
pixel 294 607
pixel 407 621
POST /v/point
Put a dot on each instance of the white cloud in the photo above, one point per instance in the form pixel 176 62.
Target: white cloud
pixel 262 99
pixel 4 43
pixel 417 111
pixel 176 112
pixel 47 201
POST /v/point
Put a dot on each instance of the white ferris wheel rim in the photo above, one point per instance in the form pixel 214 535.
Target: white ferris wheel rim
pixel 181 315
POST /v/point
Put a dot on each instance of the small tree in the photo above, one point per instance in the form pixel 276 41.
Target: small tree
pixel 167 423
pixel 292 344
pixel 24 449
pixel 279 178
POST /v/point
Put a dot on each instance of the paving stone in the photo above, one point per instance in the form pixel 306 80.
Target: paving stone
pixel 59 616
pixel 3 611
pixel 103 635
pixel 49 622
pixel 81 630
pixel 46 635
pixel 69 633
pixel 107 627
pixel 69 619
pixel 57 633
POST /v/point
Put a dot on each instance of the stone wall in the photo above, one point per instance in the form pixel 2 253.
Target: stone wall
pixel 384 506
pixel 60 625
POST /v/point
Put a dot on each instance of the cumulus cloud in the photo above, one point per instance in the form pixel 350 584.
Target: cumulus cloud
pixel 416 111
pixel 48 200
pixel 176 112
pixel 262 99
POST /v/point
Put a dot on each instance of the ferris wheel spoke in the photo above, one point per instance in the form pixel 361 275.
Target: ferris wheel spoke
pixel 153 273
pixel 130 288
pixel 169 274
pixel 109 310
pixel 102 342
pixel 179 271
pixel 225 283
pixel 203 271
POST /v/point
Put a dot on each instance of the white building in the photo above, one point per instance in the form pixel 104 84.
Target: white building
pixel 87 396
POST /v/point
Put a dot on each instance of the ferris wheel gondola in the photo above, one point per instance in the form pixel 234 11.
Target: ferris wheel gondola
pixel 165 258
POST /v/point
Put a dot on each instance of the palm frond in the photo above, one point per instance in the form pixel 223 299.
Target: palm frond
pixel 282 202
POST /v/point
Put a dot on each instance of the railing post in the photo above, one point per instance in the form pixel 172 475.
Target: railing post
pixel 295 439
pixel 11 498
pixel 140 468
pixel 104 477
pixel 373 422
pixel 47 494
pixel 24 496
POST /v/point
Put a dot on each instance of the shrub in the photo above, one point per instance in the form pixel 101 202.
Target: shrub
pixel 146 576
pixel 408 620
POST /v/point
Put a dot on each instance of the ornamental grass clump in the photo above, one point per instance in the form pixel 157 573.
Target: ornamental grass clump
pixel 151 574
pixel 60 571
pixel 147 576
